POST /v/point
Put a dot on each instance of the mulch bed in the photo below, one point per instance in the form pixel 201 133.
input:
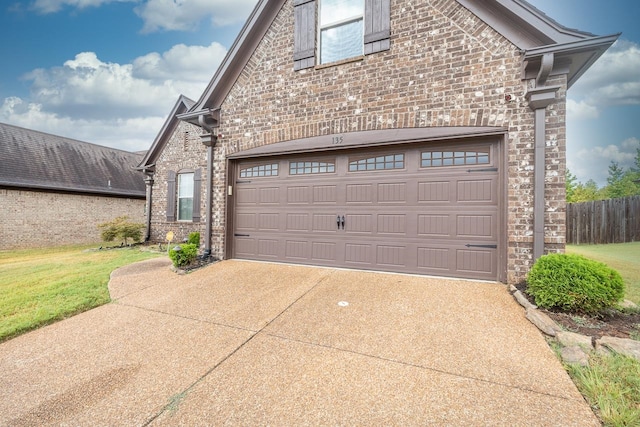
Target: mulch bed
pixel 612 323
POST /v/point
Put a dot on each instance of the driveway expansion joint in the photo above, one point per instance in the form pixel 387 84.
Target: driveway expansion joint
pixel 414 365
pixel 186 391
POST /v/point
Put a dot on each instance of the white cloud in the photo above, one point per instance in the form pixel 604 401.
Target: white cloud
pixel 593 162
pixel 580 110
pixel 52 6
pixel 613 80
pixel 95 101
pixel 184 15
pixel 181 62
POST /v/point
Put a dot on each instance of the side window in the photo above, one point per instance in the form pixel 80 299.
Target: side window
pixel 341 29
pixel 185 196
pixel 338 29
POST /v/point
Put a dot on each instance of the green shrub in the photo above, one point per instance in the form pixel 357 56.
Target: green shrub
pixel 183 255
pixel 121 227
pixel 194 239
pixel 573 283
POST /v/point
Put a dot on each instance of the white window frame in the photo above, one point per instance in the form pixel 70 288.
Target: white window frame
pixel 180 197
pixel 335 24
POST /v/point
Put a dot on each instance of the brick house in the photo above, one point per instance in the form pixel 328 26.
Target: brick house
pixel 424 137
pixel 56 190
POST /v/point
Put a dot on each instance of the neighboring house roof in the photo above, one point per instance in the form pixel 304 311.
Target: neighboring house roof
pixel 529 29
pixel 148 162
pixel 39 161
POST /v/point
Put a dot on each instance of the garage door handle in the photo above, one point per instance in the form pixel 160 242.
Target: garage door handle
pixel 482 246
pixel 340 221
pixel 343 222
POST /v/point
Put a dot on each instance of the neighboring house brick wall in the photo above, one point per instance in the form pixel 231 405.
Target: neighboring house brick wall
pixel 183 151
pixel 37 219
pixel 446 67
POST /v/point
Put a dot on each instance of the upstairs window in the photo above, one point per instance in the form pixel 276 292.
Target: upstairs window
pixel 338 29
pixel 341 29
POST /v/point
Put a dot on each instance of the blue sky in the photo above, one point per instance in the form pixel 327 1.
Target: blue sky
pixel 109 71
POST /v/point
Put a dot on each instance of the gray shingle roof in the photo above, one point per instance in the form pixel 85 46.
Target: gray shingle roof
pixel 37 160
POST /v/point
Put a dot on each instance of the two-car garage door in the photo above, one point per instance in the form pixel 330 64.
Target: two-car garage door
pixel 420 208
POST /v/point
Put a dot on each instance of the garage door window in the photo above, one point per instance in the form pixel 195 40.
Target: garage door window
pixel 306 168
pixel 260 171
pixel 453 158
pixel 390 161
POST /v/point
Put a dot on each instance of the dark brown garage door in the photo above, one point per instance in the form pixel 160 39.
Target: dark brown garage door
pixel 428 209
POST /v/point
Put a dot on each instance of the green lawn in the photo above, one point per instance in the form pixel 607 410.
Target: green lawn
pixel 624 257
pixel 41 286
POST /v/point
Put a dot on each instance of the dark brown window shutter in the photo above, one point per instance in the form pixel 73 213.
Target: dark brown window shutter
pixel 304 36
pixel 171 196
pixel 376 26
pixel 197 180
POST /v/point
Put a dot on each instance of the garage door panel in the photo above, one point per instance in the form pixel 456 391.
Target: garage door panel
pixel 323 251
pixel 298 222
pixel 245 247
pixel 394 193
pixel 269 221
pixel 358 254
pixel 392 223
pixel 391 255
pixel 246 221
pixel 428 220
pixel 246 196
pixel 268 248
pixel 434 259
pixel 297 249
pixel 476 191
pixel 325 222
pixel 475 262
pixel 434 191
pixel 359 193
pixel 434 225
pixel 270 195
pixel 325 194
pixel 299 195
pixel 359 223
pixel 476 226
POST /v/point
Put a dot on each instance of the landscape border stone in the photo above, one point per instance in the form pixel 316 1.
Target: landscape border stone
pixel 577 347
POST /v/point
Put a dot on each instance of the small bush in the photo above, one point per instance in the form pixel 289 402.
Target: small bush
pixel 121 227
pixel 574 284
pixel 184 256
pixel 194 239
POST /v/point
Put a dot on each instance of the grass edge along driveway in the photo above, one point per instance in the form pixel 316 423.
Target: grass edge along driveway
pixel 41 286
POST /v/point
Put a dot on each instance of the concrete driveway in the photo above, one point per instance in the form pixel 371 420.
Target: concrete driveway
pixel 245 343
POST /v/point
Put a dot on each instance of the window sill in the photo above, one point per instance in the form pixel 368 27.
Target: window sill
pixel 341 62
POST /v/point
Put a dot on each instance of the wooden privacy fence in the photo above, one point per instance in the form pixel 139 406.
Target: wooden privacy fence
pixel 604 221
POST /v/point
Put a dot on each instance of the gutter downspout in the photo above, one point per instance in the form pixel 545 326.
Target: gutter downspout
pixel 539 98
pixel 209 139
pixel 149 186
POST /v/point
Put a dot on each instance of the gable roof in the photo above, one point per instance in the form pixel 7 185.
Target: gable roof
pixel 525 26
pixel 148 162
pixel 40 161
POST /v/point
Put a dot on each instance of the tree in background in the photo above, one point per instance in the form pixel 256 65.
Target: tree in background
pixel 620 183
